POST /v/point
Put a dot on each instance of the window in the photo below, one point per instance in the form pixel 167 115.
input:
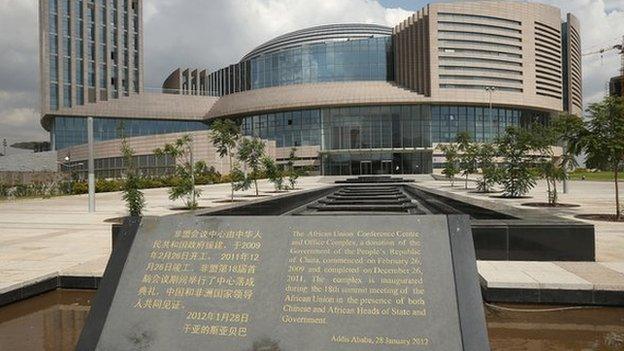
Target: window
pixel 67 95
pixel 53 44
pixel 79 95
pixel 54 97
pixel 67 70
pixel 54 24
pixel 67 46
pixel 91 74
pixel 79 48
pixel 53 6
pixel 53 68
pixel 78 12
pixel 103 76
pixel 79 72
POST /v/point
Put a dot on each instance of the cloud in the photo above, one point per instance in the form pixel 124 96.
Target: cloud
pixel 212 34
pixel 19 72
pixel 602 25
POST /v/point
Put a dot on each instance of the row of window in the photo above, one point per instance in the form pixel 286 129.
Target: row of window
pixel 70 131
pixel 352 60
pixel 114 167
pixel 67 45
pixel 385 127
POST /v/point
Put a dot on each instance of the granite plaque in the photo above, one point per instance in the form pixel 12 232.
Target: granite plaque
pixel 291 283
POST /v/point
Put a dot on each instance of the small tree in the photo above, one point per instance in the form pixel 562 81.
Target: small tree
pixel 293 174
pixel 451 167
pixel 517 174
pixel 468 155
pixel 567 131
pixel 551 170
pixel 134 198
pixel 604 141
pixel 250 153
pixel 274 172
pixel 485 160
pixel 225 136
pixel 182 153
pixel 240 180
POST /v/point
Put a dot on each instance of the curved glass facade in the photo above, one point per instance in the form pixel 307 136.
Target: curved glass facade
pixel 385 127
pixel 483 124
pixel 70 131
pixel 351 60
pixel 383 139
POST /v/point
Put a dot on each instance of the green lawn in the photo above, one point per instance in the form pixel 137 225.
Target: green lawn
pixel 593 176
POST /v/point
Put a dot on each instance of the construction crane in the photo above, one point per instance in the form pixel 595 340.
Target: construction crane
pixel 620 49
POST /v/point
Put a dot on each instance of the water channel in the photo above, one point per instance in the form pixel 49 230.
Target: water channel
pixel 53 321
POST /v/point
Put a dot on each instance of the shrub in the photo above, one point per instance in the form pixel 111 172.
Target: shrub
pixel 80 187
pixel 108 185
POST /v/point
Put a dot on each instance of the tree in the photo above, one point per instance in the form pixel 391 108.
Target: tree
pixel 182 153
pixel 250 153
pixel 485 160
pixel 240 180
pixel 274 172
pixel 566 130
pixel 604 141
pixel 551 170
pixel 451 167
pixel 468 155
pixel 225 136
pixel 134 198
pixel 293 174
pixel 517 175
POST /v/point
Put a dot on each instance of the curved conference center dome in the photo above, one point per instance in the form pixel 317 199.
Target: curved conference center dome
pixel 370 99
pixel 320 34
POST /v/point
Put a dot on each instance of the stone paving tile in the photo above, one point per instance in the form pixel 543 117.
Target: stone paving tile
pixel 593 197
pixel 25 280
pixel 551 276
pixel 41 237
pixel 91 268
pixel 600 276
pixel 616 266
pixel 499 274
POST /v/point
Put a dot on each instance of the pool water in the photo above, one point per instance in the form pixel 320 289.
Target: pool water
pixel 53 321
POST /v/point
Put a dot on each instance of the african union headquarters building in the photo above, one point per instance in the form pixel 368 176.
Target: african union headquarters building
pixel 352 98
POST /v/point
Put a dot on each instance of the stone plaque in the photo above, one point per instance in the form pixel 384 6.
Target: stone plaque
pixel 291 283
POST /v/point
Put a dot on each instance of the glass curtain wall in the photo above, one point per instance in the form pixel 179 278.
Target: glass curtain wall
pixel 384 139
pixel 483 124
pixel 70 131
pixel 352 60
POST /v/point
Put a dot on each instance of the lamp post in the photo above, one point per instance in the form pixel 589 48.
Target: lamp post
pixel 490 91
pixel 91 164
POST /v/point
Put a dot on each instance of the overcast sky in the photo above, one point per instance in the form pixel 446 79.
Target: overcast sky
pixel 214 33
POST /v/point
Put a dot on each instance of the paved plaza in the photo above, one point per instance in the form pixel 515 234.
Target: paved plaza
pixel 44 238
pixel 605 274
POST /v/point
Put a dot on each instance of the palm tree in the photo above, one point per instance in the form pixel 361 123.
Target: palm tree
pixel 225 136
